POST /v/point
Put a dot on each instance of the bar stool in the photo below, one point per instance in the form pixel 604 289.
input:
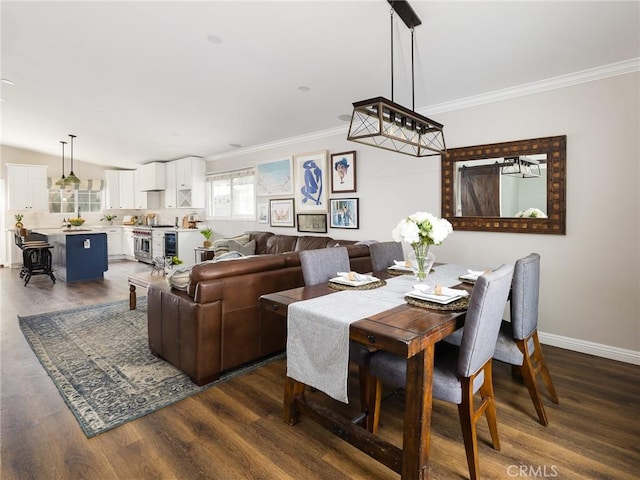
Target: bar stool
pixel 36 255
pixel 37 261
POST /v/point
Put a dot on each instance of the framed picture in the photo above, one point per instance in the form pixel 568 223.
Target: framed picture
pixel 311 182
pixel 345 213
pixel 312 222
pixel 263 212
pixel 281 213
pixel 343 172
pixel 274 178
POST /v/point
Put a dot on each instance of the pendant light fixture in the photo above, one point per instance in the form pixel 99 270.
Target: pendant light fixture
pixel 72 179
pixel 382 123
pixel 521 167
pixel 61 182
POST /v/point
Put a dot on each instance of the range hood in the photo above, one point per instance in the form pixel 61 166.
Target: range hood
pixel 151 177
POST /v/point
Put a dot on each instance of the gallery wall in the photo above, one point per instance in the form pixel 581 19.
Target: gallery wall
pixel 590 288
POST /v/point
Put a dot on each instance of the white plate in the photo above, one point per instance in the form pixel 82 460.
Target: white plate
pixel 468 278
pixel 450 295
pixel 400 268
pixel 353 283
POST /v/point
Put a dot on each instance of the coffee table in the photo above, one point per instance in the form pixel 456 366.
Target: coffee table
pixel 143 280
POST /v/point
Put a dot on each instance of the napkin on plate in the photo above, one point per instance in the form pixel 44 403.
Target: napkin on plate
pixel 356 277
pixel 444 292
pixel 402 263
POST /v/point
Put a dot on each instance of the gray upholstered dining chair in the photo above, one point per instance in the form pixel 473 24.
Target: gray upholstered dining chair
pixel 318 266
pixel 458 373
pixel 518 343
pixel 384 253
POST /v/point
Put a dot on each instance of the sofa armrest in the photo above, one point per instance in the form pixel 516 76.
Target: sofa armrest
pixel 231 268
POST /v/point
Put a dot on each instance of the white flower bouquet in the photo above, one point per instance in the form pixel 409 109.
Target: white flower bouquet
pixel 421 230
pixel 531 213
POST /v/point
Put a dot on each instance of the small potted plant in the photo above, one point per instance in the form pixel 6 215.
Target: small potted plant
pixel 207 233
pixel 108 218
pixel 19 218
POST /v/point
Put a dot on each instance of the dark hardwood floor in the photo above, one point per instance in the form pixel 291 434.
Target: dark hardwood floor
pixel 235 430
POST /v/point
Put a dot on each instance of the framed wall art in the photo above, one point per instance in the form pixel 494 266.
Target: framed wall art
pixel 274 178
pixel 345 213
pixel 263 212
pixel 311 182
pixel 281 213
pixel 343 172
pixel 312 222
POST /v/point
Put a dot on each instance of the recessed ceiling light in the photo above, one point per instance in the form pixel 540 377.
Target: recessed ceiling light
pixel 7 81
pixel 344 117
pixel 235 145
pixel 303 88
pixel 214 39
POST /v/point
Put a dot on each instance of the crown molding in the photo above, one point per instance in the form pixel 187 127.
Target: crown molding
pixel 584 76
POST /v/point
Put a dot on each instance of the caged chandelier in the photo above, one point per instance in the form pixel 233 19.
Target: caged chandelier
pixel 382 123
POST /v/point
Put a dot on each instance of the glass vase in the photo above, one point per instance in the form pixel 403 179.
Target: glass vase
pixel 421 261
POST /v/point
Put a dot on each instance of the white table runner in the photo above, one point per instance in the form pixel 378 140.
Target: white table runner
pixel 318 329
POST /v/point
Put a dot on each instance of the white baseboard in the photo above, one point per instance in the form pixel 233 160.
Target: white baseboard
pixel 592 348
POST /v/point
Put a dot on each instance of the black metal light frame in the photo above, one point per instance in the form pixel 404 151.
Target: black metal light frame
pixel 382 123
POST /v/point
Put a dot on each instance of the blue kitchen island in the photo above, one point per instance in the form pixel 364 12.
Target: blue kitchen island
pixel 79 255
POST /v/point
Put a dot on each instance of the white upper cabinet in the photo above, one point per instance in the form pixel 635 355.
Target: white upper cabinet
pixel 170 185
pixel 190 184
pixel 140 196
pixel 120 189
pixel 184 183
pixel 27 187
pixel 152 176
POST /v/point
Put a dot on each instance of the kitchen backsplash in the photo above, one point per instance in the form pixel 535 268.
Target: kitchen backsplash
pixel 33 220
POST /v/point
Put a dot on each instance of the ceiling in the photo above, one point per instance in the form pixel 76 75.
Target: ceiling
pixel 143 81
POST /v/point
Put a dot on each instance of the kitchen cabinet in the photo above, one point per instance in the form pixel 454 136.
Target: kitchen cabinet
pixel 152 176
pixel 79 256
pixel 185 183
pixel 157 243
pixel 127 243
pixel 170 193
pixel 115 246
pixel 120 189
pixel 27 187
pixel 140 199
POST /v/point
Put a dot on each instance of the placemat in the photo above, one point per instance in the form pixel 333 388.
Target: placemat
pixel 457 306
pixel 396 272
pixel 367 286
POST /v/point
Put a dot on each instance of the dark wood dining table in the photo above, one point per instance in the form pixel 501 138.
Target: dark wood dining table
pixel 404 330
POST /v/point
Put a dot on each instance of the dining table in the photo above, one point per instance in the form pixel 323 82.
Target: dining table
pixel 322 321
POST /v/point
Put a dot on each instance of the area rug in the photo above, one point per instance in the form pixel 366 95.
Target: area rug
pixel 99 359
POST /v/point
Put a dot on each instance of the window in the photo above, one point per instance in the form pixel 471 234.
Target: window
pixel 231 195
pixel 86 196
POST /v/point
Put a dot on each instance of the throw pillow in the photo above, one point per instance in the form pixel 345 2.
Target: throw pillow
pixel 246 249
pixel 221 245
pixel 227 256
pixel 178 278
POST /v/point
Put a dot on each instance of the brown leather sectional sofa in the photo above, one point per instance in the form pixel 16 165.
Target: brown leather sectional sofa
pixel 216 324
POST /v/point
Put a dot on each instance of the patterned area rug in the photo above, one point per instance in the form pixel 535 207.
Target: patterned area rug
pixel 99 358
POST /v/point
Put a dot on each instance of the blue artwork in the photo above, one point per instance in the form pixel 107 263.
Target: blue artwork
pixel 311 190
pixel 311 182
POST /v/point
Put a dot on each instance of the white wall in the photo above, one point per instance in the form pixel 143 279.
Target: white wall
pixel 590 285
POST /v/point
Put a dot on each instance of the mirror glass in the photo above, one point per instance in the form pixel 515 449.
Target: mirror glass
pixel 514 186
pixel 486 188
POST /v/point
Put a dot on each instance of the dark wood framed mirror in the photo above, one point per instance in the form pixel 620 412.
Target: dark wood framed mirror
pixel 478 195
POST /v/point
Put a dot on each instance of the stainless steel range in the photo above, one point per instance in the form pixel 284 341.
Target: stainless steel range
pixel 142 244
